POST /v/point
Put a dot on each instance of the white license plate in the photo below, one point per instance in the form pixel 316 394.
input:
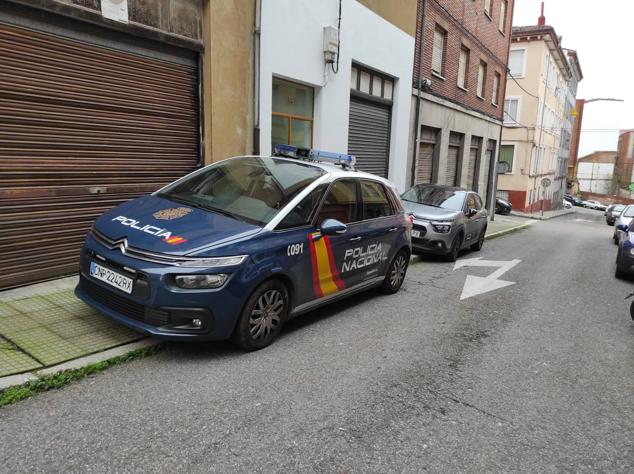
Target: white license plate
pixel 110 277
pixel 416 233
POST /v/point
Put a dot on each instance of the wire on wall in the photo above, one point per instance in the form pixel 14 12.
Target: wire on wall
pixel 332 66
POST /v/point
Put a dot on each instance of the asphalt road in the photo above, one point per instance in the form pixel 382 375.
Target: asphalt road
pixel 534 377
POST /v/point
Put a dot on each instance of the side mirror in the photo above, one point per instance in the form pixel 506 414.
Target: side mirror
pixel 332 227
pixel 622 227
pixel 471 212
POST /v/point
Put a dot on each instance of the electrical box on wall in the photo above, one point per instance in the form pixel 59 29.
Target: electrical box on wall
pixel 331 44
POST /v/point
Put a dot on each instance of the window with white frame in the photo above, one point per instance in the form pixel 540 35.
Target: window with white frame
pixel 438 53
pixel 487 7
pixel 502 21
pixel 482 75
pixel 516 62
pixel 512 110
pixel 495 89
pixel 507 154
pixel 463 67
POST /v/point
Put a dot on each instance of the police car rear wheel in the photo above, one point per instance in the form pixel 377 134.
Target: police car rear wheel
pixel 263 316
pixel 396 273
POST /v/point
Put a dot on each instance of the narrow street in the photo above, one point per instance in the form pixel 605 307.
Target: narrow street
pixel 533 377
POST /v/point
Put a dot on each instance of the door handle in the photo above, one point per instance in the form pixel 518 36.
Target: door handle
pixel 355 239
pixel 393 229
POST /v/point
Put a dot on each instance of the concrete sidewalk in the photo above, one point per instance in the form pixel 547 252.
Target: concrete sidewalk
pixel 506 224
pixel 44 325
pixel 547 214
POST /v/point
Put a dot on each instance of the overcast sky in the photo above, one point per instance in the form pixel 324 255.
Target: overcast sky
pixel 599 32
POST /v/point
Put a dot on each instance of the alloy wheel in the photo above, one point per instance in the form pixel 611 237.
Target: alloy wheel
pixel 398 271
pixel 266 314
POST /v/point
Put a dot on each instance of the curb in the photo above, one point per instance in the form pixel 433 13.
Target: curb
pixel 507 231
pixel 544 218
pixel 20 379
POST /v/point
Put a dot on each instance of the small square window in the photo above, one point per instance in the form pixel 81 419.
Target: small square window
pixel 388 87
pixel 377 86
pixel 364 83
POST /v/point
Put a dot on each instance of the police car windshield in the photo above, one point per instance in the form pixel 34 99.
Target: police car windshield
pixel 252 189
pixel 435 196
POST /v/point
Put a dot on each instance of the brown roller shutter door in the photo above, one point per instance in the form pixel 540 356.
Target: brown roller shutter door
pixel 82 129
pixel 452 165
pixel 425 165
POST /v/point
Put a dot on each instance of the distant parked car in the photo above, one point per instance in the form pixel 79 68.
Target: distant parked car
pixel 566 204
pixel 623 220
pixel 502 206
pixel 575 201
pixel 591 204
pixel 625 255
pixel 612 212
pixel 446 219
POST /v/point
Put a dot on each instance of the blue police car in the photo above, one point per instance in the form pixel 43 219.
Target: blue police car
pixel 235 249
pixel 625 254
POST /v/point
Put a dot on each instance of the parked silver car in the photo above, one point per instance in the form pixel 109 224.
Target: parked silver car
pixel 446 219
pixel 625 218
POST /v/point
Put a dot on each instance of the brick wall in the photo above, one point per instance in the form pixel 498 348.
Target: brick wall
pixel 466 24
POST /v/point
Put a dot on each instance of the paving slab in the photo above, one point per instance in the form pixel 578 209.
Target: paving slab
pixel 46 328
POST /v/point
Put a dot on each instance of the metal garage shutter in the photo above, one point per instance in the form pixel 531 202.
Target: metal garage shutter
pixel 425 163
pixel 369 135
pixel 82 128
pixel 452 165
pixel 472 180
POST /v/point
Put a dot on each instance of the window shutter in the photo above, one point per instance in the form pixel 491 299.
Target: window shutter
pixel 496 88
pixel 516 62
pixel 481 76
pixel 502 15
pixel 439 46
pixel 462 69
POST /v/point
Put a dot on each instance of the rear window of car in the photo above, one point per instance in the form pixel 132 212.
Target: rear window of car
pixel 253 189
pixel 628 212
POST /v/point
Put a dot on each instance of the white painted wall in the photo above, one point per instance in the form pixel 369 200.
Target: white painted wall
pixel 595 177
pixel 292 48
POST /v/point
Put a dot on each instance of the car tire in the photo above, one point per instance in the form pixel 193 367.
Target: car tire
pixel 263 316
pixel 396 273
pixel 618 273
pixel 478 245
pixel 454 250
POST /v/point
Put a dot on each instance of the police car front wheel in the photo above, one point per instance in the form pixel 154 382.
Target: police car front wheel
pixel 263 316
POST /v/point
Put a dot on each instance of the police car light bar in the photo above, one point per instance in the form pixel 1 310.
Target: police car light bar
pixel 347 161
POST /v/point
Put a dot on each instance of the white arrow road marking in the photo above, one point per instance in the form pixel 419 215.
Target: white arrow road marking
pixel 583 220
pixel 475 285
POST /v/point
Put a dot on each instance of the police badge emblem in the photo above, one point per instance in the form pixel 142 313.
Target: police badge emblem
pixel 170 214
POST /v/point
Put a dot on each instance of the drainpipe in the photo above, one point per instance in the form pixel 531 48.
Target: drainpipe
pixel 417 120
pixel 256 76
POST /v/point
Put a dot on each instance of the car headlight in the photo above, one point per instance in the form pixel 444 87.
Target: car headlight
pixel 632 251
pixel 214 261
pixel 193 282
pixel 440 227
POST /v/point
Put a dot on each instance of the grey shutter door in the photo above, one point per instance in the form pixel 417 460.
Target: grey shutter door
pixel 452 165
pixel 471 166
pixel 369 135
pixel 425 163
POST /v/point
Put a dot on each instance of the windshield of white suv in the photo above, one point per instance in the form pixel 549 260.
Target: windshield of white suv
pixel 252 189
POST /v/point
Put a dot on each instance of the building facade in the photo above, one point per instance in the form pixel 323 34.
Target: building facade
pixel 354 98
pixel 624 168
pixel 595 172
pixel 459 82
pixel 536 111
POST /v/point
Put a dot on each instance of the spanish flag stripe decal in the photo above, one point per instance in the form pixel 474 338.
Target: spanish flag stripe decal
pixel 333 266
pixel 326 279
pixel 313 260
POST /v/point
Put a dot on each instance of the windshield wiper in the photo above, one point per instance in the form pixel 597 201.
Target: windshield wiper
pixel 430 204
